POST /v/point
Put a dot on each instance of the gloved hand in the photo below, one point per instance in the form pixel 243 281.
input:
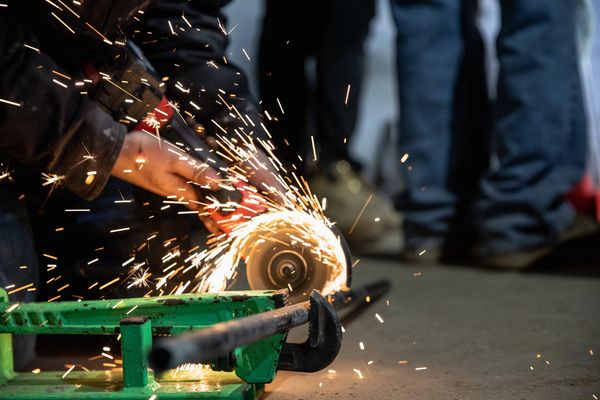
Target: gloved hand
pixel 162 168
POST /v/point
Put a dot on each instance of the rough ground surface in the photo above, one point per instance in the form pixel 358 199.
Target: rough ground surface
pixel 477 332
pixel 480 334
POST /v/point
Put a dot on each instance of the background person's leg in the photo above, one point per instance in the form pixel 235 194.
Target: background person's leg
pixel 336 176
pixel 288 35
pixel 469 155
pixel 430 53
pixel 538 138
pixel 340 64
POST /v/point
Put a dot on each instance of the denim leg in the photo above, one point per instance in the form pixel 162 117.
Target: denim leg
pixel 18 262
pixel 431 50
pixel 538 139
pixel 340 62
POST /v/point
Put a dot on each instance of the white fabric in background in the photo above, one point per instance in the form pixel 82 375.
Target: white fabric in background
pixel 589 47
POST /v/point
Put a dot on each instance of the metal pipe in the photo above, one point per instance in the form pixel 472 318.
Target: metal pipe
pixel 369 292
pixel 207 344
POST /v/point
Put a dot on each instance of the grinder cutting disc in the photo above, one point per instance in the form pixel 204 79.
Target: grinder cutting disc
pixel 297 255
pixel 283 265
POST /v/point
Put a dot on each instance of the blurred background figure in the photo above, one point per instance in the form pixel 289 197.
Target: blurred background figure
pixel 500 184
pixel 322 104
pixel 471 118
pixel 444 120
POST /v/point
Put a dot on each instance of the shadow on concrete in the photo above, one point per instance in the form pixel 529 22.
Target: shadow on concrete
pixel 578 257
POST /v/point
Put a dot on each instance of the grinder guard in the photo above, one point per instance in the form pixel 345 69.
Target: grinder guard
pixel 274 262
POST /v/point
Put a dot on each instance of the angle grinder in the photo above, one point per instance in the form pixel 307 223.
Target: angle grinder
pixel 279 249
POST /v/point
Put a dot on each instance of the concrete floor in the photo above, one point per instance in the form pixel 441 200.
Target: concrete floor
pixel 479 334
pixel 453 332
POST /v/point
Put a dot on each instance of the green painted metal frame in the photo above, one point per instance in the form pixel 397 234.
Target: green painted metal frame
pixel 137 320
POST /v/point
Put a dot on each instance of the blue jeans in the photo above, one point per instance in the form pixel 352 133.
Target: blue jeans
pixel 500 171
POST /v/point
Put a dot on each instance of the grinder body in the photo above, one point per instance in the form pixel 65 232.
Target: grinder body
pixel 129 88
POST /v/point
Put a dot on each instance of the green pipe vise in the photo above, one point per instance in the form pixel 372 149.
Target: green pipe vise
pixel 240 375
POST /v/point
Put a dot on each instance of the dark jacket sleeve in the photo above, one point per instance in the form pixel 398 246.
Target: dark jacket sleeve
pixel 46 125
pixel 188 43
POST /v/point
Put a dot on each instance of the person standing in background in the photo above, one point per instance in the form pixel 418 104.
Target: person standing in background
pixel 334 33
pixel 493 182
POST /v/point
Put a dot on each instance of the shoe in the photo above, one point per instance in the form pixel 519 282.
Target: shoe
pixel 581 227
pixel 347 193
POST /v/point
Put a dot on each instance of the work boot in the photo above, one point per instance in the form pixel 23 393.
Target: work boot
pixel 347 193
pixel 581 227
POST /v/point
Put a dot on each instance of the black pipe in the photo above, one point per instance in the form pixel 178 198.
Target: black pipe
pixel 207 344
pixel 363 294
pixel 214 342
